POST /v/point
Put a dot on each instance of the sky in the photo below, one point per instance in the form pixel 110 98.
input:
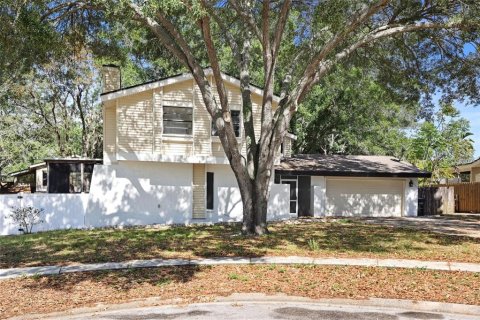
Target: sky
pixel 472 113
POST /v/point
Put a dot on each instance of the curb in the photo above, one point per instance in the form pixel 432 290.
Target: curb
pixel 155 263
pixel 260 298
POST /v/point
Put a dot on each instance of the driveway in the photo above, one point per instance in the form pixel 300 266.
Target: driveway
pixel 289 308
pixel 458 224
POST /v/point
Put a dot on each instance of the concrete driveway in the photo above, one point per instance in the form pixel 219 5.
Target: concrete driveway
pixel 256 306
pixel 458 224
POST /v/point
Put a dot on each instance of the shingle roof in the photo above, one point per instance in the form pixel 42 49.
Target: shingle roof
pixel 348 165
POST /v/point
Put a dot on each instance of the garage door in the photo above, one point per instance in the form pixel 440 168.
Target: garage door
pixel 364 197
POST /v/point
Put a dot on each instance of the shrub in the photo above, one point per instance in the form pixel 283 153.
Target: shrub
pixel 313 245
pixel 26 217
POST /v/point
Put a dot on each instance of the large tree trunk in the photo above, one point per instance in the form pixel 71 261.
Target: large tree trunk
pixel 255 203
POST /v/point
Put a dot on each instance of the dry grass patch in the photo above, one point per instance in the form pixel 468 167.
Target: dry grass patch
pixel 337 238
pixel 196 284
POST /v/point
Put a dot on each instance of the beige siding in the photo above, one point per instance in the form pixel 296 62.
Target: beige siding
pixel 202 126
pixel 110 128
pixel 287 147
pixel 198 191
pixel 179 94
pixel 177 147
pixel 475 174
pixel 257 115
pixel 217 149
pixel 135 123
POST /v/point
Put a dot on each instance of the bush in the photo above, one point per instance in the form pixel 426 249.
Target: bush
pixel 313 245
pixel 26 217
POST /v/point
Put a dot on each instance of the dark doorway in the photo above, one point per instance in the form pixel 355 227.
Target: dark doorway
pixel 304 195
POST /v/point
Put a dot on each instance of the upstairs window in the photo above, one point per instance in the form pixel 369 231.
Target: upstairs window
pixel 235 121
pixel 177 120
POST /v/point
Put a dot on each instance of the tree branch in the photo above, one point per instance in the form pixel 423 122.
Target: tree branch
pixel 247 18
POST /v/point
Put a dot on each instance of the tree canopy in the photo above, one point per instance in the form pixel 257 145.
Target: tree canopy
pixel 300 50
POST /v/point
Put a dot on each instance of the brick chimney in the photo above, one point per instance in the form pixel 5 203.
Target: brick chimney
pixel 111 77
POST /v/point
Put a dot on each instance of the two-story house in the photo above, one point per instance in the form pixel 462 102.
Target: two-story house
pixel 163 163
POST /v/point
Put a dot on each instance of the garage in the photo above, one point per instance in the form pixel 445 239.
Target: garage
pixel 364 197
pixel 350 185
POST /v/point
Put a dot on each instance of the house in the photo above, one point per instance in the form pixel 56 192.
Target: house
pixel 469 172
pixel 163 163
pixel 58 175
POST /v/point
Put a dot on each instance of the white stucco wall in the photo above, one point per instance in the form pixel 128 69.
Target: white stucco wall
pixel 410 206
pixel 61 211
pixel 140 193
pixel 228 201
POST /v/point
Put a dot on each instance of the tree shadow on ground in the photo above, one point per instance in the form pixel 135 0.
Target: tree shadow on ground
pixel 126 279
pixel 295 238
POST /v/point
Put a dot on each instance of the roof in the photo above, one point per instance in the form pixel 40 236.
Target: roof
pixel 348 165
pixel 111 95
pixel 39 165
pixel 73 160
pixel 29 170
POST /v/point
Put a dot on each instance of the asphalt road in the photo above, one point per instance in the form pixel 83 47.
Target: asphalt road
pixel 267 310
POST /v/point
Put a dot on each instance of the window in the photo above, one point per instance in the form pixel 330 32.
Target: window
pixel 235 121
pixel 75 182
pixel 177 120
pixel 44 178
pixel 210 190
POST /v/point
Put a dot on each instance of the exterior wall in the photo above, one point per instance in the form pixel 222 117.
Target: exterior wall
pixel 39 180
pixel 140 193
pixel 409 204
pixel 198 191
pixel 475 174
pixel 109 133
pixel 133 125
pixel 227 203
pixel 61 211
pixel 287 147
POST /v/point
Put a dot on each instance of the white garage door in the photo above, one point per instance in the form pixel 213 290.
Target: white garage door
pixel 364 197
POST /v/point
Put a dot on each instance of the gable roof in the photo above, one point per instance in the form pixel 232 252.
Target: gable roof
pixel 111 95
pixel 348 165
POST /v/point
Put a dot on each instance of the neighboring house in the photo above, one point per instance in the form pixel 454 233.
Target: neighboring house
pixel 58 175
pixel 469 172
pixel 163 163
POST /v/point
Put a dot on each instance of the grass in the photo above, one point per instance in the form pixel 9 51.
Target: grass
pixel 322 239
pixel 200 283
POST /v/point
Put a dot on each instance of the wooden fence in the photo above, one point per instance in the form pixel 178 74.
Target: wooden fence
pixel 436 200
pixel 467 196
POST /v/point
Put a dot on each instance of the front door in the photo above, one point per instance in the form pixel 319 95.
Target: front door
pixel 304 195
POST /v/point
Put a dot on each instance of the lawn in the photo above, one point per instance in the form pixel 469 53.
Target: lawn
pixel 199 284
pixel 335 238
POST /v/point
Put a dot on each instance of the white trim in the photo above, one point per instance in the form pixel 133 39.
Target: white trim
pixel 158 157
pixel 173 80
pixel 177 137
